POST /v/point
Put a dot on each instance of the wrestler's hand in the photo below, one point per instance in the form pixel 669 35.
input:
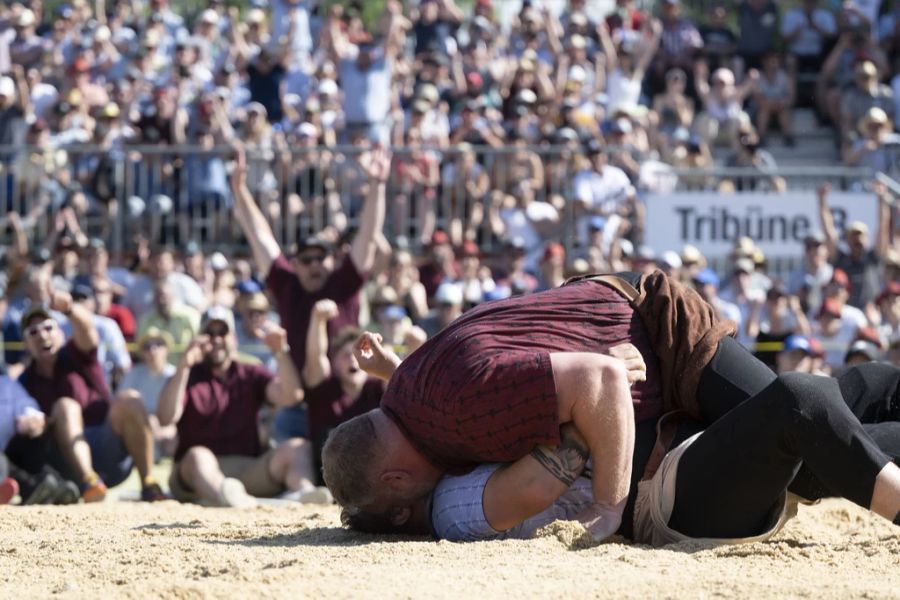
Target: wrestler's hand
pixel 373 358
pixel 634 361
pixel 600 521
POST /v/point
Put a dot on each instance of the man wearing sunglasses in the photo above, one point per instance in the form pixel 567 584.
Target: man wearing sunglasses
pixel 95 439
pixel 310 273
pixel 215 401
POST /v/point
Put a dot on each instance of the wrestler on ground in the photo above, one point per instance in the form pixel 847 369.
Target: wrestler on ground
pixel 501 379
pixel 738 481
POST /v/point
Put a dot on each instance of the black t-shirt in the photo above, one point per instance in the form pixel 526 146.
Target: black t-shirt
pixel 264 88
pixel 863 276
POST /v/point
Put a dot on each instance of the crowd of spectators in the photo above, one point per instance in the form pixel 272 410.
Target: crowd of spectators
pixel 239 363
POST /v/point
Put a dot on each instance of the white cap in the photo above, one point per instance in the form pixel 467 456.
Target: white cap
pixel 102 34
pixel 218 313
pixel 577 73
pixel 256 15
pixel 26 18
pixel 448 293
pixel 209 16
pixel 671 259
pixel 307 130
pixel 7 87
pixel 328 87
pixel 218 262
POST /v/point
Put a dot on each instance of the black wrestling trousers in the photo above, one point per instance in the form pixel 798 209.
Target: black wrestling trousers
pixel 734 475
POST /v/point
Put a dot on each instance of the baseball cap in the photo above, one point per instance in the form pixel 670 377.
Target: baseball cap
pixel 857 227
pixel 218 262
pixel 645 253
pixel 707 277
pixel 7 87
pixel 220 314
pixel 448 293
pixel 743 265
pixel 830 307
pixel 35 310
pixel 670 259
pixel 863 348
pixel 597 223
pixel 469 249
pixel 82 291
pixel 248 286
pixel 258 301
pixel 439 238
pixel 313 241
pixel 816 238
pixel 797 342
pixel 328 87
pixel 155 334
pixel 839 276
pixel 691 254
pixel 394 313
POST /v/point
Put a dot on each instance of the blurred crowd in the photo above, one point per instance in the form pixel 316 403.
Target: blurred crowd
pixel 238 364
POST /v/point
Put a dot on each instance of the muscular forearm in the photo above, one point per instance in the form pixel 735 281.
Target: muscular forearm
pixel 168 410
pixel 533 483
pixel 84 333
pixel 289 379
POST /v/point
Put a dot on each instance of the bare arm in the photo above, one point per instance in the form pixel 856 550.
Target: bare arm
pixel 593 393
pixel 253 223
pixel 317 368
pixel 171 397
pixel 533 483
pixel 84 334
pixel 286 389
pixel 883 234
pixel 377 165
pixel 827 220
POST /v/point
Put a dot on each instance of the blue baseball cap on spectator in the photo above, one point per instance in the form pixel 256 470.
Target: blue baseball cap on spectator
pixel 394 313
pixel 707 277
pixel 597 223
pixel 797 342
pixel 248 286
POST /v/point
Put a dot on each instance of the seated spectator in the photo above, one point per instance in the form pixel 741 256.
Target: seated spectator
pixel 512 271
pixel 627 64
pixel 861 352
pixel 749 155
pixel 868 93
pixel 859 261
pixel 180 321
pixel 103 296
pixel 807 30
pixel 742 293
pixel 448 306
pixel 706 282
pixel 723 105
pixel 552 267
pixel 600 190
pixel 674 108
pixel 808 281
pixel 148 377
pixel 161 268
pixel 836 332
pixel 475 279
pixel 844 71
pixel 215 401
pixel 95 438
pixel 871 148
pixel 888 304
pixel 719 41
pixel 796 355
pixel 758 23
pixel 464 185
pixel 253 312
pixel 403 277
pixel 775 97
pixel 773 320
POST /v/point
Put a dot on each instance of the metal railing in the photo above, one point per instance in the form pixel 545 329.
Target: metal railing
pixel 174 194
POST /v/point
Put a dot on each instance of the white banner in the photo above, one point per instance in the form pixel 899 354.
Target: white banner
pixel 778 223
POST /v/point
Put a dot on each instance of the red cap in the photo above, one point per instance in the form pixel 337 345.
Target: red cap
pixel 890 290
pixel 486 3
pixel 830 307
pixel 81 65
pixel 474 79
pixel 469 249
pixel 439 238
pixel 554 250
pixel 840 277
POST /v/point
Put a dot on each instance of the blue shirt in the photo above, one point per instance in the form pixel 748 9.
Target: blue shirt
pixel 14 402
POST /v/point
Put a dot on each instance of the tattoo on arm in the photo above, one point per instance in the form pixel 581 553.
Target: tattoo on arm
pixel 566 461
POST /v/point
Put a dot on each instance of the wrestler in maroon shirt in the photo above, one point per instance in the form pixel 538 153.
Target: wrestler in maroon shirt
pixel 310 274
pixel 501 379
pixel 95 438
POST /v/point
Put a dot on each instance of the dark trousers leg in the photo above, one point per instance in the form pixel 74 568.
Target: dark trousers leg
pixel 732 376
pixel 734 474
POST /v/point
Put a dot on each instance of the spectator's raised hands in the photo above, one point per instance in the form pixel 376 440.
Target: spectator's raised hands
pixel 196 350
pixel 325 310
pixel 373 358
pixel 274 336
pixel 376 164
pixel 60 301
pixel 634 362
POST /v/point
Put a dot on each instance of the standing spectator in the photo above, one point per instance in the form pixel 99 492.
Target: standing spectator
pixel 807 30
pixel 95 439
pixel 723 104
pixel 215 401
pixel 680 42
pixel 706 283
pixel 311 274
pixel 600 190
pixel 860 262
pixel 337 388
pixel 148 377
pixel 464 185
pixel 27 48
pixel 809 280
pixel 437 19
pixel 627 65
pixel 674 108
pixel 14 107
pixel 741 293
pixel 843 70
pixel 719 41
pixel 758 22
pixel 835 332
pixel 775 96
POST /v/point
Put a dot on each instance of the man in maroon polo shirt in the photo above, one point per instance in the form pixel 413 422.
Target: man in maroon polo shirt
pixel 310 273
pixel 501 379
pixel 215 402
pixel 94 440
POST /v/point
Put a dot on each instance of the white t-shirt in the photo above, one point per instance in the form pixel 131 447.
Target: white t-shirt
pixel 836 345
pixel 809 42
pixel 622 90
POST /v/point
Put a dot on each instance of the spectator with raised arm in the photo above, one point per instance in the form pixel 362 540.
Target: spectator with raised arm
pixel 856 258
pixel 95 438
pixel 311 273
pixel 215 402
